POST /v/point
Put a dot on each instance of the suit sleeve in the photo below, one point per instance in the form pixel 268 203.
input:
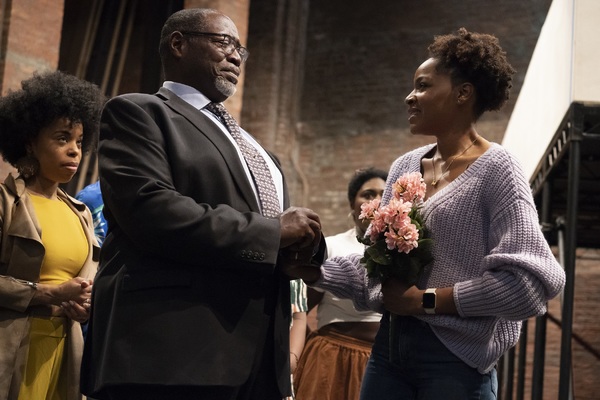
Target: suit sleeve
pixel 197 221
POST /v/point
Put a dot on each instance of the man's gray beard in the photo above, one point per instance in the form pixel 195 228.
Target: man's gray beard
pixel 224 86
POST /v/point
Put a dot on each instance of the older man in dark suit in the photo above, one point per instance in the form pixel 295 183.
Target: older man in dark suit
pixel 192 298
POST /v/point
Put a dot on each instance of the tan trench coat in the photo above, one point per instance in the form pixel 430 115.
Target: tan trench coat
pixel 21 259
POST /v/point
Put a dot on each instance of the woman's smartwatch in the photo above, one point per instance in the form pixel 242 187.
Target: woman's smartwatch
pixel 429 301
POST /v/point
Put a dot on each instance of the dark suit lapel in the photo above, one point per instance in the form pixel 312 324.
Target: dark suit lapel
pixel 214 134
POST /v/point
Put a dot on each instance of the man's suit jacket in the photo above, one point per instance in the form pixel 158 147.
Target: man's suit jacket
pixel 188 280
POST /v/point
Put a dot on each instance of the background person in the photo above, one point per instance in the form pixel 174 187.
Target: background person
pixel 91 196
pixel 48 251
pixel 191 300
pixel 492 266
pixel 335 356
pixel 298 329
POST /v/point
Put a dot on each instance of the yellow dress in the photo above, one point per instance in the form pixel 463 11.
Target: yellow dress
pixel 66 251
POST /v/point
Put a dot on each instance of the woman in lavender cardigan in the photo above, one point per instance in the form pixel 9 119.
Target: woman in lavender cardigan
pixel 492 267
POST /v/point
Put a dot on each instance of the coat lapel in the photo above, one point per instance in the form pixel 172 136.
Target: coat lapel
pixel 24 223
pixel 207 127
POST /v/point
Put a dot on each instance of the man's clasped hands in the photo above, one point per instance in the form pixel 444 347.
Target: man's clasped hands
pixel 301 240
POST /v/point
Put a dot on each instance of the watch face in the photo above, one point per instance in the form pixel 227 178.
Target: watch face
pixel 428 300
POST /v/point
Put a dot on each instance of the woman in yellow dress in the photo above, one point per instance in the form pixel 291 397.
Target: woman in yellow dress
pixel 48 252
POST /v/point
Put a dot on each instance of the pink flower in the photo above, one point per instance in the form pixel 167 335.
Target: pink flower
pixel 393 221
pixel 407 238
pixel 367 210
pixel 410 187
pixel 377 227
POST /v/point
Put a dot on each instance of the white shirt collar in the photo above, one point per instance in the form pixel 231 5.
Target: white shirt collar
pixel 188 94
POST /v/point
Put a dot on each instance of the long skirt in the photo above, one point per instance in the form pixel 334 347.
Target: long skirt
pixel 331 367
pixel 42 378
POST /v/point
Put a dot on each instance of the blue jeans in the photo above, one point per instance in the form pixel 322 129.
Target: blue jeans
pixel 422 368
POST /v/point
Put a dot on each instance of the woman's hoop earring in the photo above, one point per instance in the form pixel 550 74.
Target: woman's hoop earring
pixel 28 166
pixel 351 220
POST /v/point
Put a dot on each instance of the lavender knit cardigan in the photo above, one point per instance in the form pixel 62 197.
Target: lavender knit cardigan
pixel 487 245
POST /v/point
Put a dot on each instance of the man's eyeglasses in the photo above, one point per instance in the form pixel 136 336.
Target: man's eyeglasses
pixel 226 42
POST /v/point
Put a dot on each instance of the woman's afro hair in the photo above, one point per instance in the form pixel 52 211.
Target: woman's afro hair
pixel 476 58
pixel 44 98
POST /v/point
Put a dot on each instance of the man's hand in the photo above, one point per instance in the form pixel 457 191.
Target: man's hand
pixel 297 265
pixel 300 238
pixel 300 229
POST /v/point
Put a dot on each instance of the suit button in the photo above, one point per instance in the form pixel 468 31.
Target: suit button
pixel 262 256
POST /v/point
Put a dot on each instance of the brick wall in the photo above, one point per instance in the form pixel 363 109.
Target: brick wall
pixel 33 39
pixel 30 42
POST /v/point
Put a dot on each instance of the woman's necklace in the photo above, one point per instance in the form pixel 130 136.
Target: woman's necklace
pixel 435 180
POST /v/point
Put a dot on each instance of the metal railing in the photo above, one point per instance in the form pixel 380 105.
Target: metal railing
pixel 569 217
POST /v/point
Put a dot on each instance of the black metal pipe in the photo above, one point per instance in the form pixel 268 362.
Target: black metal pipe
pixel 539 350
pixel 539 359
pixel 500 373
pixel 522 361
pixel 510 373
pixel 564 384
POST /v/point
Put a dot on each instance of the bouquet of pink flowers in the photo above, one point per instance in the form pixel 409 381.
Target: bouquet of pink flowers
pixel 397 239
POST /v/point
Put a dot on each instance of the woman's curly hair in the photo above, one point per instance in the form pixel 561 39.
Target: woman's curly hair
pixel 476 58
pixel 43 99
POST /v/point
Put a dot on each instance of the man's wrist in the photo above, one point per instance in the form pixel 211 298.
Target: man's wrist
pixel 314 274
